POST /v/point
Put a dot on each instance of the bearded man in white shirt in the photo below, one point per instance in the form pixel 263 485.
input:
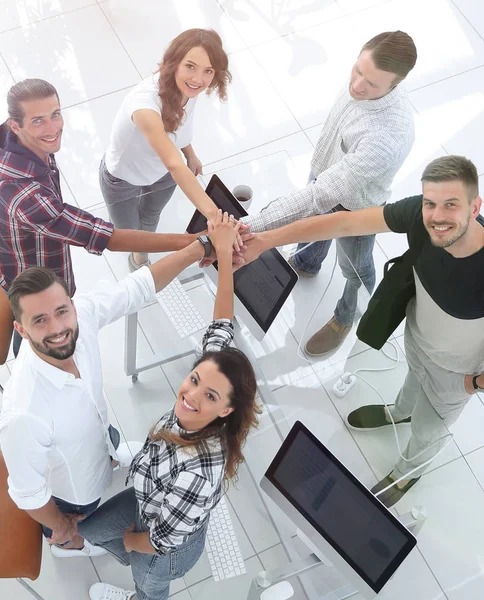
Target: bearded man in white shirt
pixel 55 434
pixel 365 139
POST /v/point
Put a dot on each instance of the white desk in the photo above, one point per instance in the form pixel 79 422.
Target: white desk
pixel 298 565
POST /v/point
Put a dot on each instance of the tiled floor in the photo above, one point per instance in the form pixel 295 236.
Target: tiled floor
pixel 288 60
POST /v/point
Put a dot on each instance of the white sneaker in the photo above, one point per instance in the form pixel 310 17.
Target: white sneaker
pixel 104 591
pixel 126 453
pixel 88 551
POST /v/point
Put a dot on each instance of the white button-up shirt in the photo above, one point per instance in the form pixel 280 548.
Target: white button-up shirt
pixel 54 427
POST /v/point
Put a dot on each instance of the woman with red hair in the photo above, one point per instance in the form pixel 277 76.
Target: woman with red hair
pixel 143 165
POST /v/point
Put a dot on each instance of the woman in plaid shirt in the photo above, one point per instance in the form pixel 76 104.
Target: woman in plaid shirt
pixel 159 526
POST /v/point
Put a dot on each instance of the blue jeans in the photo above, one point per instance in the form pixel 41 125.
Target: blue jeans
pixel 71 509
pixel 79 509
pixel 355 257
pixel 152 573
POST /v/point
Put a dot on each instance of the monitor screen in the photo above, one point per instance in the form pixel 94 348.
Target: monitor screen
pixel 262 286
pixel 343 511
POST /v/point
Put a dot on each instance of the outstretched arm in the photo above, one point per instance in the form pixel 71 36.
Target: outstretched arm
pixel 50 217
pixel 220 332
pixel 376 155
pixel 168 267
pixel 132 240
pixel 223 231
pixel 149 122
pixel 222 235
pixel 323 227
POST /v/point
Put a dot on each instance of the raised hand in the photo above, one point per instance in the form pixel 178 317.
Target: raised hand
pixel 253 249
pixel 223 232
pixel 237 255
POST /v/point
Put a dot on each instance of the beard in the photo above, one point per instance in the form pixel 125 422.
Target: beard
pixel 62 352
pixel 445 243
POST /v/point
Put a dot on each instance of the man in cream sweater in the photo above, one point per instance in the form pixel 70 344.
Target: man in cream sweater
pixel 367 136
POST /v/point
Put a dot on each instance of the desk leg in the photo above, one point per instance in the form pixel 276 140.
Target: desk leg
pixel 131 342
pixel 273 410
pixel 29 589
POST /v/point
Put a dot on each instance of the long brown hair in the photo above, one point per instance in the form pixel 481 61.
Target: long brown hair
pixel 171 98
pixel 233 429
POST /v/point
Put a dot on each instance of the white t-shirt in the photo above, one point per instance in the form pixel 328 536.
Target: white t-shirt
pixel 129 155
pixel 452 343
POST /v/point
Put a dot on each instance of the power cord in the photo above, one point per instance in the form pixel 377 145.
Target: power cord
pixel 348 380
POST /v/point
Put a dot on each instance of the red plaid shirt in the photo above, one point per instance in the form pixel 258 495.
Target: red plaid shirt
pixel 36 227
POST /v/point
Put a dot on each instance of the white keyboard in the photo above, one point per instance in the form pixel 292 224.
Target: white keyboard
pixel 179 308
pixel 222 546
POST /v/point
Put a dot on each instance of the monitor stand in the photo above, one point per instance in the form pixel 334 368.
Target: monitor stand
pixel 413 520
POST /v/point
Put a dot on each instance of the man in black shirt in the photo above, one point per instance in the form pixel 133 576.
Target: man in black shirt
pixel 444 333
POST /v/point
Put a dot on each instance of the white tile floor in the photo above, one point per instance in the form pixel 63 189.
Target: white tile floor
pixel 288 60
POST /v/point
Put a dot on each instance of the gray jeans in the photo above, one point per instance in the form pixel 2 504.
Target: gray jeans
pixel 152 573
pixel 434 398
pixel 135 206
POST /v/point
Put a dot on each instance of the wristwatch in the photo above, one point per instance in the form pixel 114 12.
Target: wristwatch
pixel 474 383
pixel 207 245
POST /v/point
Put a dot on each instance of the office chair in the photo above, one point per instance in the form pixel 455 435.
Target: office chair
pixel 20 539
pixel 6 326
pixel 20 535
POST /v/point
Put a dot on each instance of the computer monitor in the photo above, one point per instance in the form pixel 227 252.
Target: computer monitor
pixel 339 515
pixel 260 288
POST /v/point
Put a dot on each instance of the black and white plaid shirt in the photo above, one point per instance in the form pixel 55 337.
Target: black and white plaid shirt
pixel 177 487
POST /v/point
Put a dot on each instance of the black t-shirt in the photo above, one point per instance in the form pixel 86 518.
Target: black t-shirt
pixel 456 285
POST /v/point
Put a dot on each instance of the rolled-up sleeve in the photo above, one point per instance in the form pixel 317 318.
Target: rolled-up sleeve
pixel 182 509
pixel 113 301
pixel 50 217
pixel 25 443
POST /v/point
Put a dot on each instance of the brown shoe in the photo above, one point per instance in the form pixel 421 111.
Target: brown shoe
pixel 300 272
pixel 327 338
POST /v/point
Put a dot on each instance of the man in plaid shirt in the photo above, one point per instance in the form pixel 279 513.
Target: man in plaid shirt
pixel 36 226
pixel 365 139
